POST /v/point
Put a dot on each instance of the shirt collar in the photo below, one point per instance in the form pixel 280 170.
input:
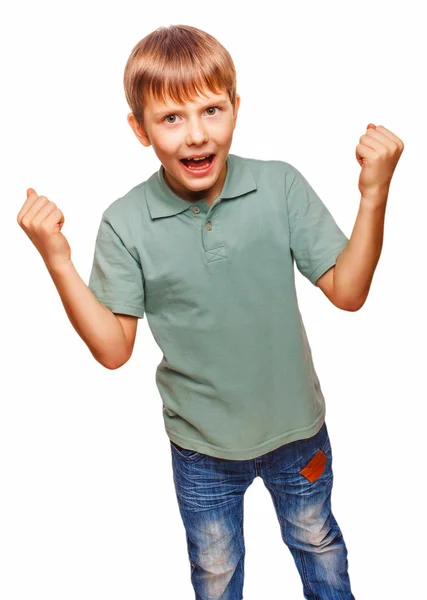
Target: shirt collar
pixel 163 202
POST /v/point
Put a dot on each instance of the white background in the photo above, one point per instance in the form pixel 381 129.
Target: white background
pixel 87 504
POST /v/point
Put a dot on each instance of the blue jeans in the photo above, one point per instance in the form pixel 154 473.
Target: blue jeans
pixel 299 477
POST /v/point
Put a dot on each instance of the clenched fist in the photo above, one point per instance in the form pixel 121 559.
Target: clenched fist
pixel 42 221
pixel 378 153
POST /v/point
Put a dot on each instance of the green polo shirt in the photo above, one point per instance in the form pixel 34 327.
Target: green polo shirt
pixel 217 286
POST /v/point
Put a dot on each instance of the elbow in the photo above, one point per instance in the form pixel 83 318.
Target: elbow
pixel 350 303
pixel 113 366
pixel 352 306
pixel 112 363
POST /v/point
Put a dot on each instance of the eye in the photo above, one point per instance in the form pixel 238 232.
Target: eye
pixel 210 108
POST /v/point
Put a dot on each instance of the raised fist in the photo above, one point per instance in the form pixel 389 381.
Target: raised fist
pixel 42 221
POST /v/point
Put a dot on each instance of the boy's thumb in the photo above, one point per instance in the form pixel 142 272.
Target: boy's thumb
pixel 30 191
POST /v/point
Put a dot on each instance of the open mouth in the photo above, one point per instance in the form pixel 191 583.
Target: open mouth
pixel 198 165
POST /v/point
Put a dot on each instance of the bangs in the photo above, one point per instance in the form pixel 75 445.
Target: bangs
pixel 170 87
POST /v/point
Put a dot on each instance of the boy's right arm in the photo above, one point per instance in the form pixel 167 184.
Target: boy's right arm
pixel 109 338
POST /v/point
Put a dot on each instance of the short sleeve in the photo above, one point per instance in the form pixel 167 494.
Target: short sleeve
pixel 315 238
pixel 116 278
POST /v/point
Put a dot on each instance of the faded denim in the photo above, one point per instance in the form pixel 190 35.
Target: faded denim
pixel 210 494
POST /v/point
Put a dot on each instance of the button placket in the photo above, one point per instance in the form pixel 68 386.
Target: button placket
pixel 213 241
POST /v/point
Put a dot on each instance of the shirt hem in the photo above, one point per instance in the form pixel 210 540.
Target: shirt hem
pixel 254 452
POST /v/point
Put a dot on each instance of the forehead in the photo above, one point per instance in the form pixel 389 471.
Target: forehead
pixel 156 104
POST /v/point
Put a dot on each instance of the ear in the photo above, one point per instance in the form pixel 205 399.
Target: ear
pixel 236 109
pixel 140 133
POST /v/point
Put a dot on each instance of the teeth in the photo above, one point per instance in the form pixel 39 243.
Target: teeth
pixel 202 157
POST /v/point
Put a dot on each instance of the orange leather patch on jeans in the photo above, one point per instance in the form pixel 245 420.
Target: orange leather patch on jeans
pixel 315 467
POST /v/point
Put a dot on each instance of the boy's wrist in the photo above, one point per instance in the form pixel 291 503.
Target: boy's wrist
pixel 61 268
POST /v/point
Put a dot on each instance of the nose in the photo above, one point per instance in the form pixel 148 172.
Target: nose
pixel 196 133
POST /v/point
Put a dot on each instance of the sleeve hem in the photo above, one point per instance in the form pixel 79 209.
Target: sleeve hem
pixel 121 307
pixel 325 264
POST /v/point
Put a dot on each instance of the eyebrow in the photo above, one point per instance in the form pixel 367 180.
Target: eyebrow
pixel 171 110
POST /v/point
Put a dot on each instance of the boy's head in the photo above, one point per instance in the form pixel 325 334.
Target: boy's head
pixel 180 84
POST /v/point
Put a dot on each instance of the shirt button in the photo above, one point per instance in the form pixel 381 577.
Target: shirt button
pixel 195 210
pixel 209 225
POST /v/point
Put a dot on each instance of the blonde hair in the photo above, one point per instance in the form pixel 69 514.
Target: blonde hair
pixel 177 62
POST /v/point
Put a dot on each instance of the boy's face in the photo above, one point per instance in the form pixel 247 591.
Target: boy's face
pixel 200 128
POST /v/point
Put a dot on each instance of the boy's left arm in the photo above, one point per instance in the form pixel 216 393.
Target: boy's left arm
pixel 347 284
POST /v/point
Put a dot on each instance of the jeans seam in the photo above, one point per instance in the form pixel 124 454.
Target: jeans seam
pixel 300 552
pixel 305 572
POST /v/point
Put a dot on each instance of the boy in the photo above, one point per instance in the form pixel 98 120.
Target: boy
pixel 205 247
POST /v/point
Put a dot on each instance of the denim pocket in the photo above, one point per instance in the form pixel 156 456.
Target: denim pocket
pixel 185 453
